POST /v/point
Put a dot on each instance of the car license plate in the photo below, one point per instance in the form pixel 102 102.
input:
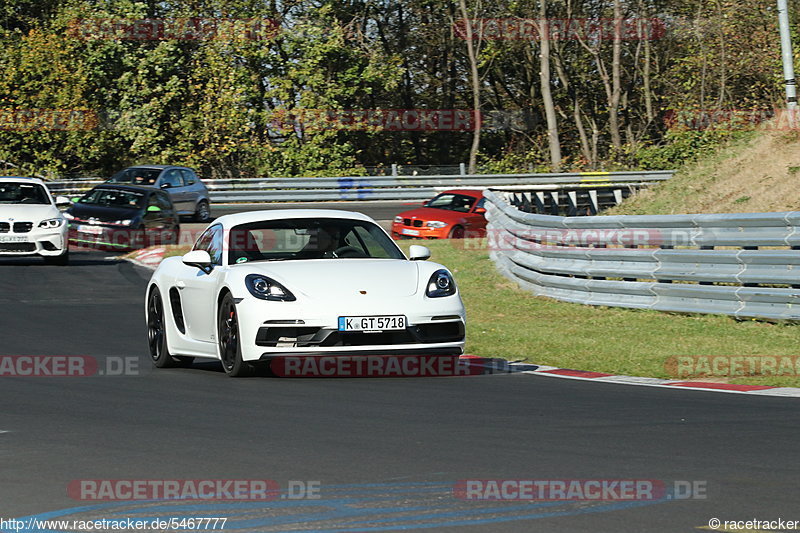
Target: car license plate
pixel 412 232
pixel 372 323
pixel 9 238
pixel 93 230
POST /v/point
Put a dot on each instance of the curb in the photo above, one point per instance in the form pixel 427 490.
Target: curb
pixel 148 258
pixel 498 366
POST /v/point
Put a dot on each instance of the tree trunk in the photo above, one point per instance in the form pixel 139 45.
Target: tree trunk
pixel 476 90
pixel 547 96
pixel 587 153
pixel 613 104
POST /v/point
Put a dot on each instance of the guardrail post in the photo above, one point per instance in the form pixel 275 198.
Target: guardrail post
pixel 573 203
pixel 540 207
pixel 593 199
pixel 462 168
pixel 526 204
pixel 554 206
pixel 618 196
pixel 394 169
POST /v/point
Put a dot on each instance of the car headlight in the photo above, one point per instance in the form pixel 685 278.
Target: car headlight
pixel 441 284
pixel 398 220
pixel 122 222
pixel 436 224
pixel 51 223
pixel 265 288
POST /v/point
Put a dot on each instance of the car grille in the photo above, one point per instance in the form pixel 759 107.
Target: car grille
pixel 4 227
pixel 22 227
pixel 311 336
pixel 17 247
pixel 415 223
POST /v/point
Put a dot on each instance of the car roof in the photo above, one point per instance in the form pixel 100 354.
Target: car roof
pixel 475 193
pixel 123 187
pixel 18 179
pixel 154 167
pixel 229 221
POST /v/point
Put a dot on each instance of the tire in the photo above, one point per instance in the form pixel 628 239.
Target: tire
pixel 157 332
pixel 230 346
pixel 456 233
pixel 203 212
pixel 58 260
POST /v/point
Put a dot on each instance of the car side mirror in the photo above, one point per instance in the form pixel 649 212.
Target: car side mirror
pixel 418 253
pixel 199 259
pixel 75 199
pixel 480 210
pixel 62 201
pixel 165 185
pixel 153 209
pixel 425 203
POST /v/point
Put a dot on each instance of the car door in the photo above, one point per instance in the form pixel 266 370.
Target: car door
pixel 171 230
pixel 193 188
pixel 476 220
pixel 172 182
pixel 155 221
pixel 198 289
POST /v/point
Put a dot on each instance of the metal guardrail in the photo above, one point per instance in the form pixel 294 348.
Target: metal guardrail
pixel 680 263
pixel 402 187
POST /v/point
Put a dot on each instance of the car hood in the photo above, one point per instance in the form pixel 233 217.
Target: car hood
pixel 428 213
pixel 102 213
pixel 333 279
pixel 28 212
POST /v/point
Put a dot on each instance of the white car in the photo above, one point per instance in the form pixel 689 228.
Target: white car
pixel 269 284
pixel 30 222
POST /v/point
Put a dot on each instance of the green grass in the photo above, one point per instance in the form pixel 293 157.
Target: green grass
pixel 508 322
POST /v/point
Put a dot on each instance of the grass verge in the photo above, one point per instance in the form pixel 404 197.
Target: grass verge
pixel 506 321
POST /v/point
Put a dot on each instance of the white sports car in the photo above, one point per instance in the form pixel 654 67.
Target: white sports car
pixel 30 222
pixel 268 284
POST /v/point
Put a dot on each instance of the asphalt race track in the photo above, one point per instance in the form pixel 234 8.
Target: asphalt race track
pixel 387 453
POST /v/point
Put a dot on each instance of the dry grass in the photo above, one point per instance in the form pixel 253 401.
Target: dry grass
pixel 759 174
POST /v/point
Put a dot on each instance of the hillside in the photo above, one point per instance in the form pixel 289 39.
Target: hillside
pixel 759 174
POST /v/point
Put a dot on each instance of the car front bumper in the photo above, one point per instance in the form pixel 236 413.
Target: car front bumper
pixel 401 231
pixel 108 237
pixel 274 329
pixel 38 241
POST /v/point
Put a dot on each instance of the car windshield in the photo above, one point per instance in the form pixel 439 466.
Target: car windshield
pixel 307 238
pixel 452 202
pixel 113 198
pixel 136 176
pixel 23 193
